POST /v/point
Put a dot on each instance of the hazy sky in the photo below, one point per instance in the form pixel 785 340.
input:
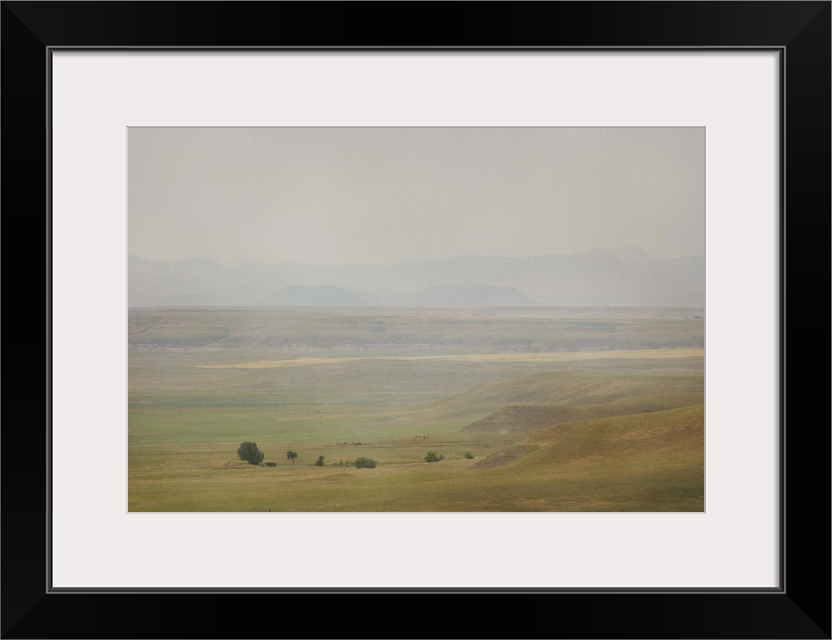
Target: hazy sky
pixel 381 195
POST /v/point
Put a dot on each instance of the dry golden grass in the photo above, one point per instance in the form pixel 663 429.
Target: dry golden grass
pixel 630 354
pixel 609 425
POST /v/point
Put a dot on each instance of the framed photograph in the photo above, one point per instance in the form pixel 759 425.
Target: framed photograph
pixel 360 298
pixel 509 309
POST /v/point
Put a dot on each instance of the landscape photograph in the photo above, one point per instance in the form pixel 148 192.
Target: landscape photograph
pixel 416 319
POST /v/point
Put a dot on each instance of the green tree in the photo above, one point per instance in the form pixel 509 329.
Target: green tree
pixel 291 455
pixel 319 462
pixel 433 457
pixel 249 452
pixel 365 463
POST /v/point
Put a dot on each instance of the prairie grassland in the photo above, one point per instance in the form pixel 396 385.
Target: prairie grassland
pixel 618 425
pixel 634 354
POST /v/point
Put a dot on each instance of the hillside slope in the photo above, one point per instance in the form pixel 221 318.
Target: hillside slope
pixel 642 462
pixel 524 419
pixel 573 387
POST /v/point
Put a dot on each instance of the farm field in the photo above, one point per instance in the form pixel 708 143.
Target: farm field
pixel 530 409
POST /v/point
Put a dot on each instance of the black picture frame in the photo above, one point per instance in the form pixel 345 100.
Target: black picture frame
pixel 799 608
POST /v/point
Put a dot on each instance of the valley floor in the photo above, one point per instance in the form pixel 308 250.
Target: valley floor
pixel 529 411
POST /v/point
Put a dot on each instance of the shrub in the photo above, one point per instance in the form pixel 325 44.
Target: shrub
pixel 365 463
pixel 249 452
pixel 433 457
pixel 469 455
pixel 319 462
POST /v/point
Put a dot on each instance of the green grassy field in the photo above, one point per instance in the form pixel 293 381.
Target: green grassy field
pixel 589 411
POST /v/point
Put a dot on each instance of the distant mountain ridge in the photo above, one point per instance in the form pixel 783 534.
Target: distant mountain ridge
pixel 628 276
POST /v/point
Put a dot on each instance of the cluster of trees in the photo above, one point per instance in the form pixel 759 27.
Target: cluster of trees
pixel 249 452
